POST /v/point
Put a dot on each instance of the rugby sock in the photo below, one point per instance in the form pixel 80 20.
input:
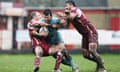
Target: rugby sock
pixel 69 63
pixel 58 60
pixel 72 64
pixel 69 59
pixel 95 58
pixel 36 62
pixel 65 62
pixel 98 60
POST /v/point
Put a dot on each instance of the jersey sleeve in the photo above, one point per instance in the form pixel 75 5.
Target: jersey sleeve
pixel 91 27
pixel 29 26
pixel 77 11
pixel 84 20
pixel 56 20
pixel 42 20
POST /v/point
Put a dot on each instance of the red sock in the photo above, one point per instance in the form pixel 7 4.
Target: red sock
pixel 58 60
pixel 36 62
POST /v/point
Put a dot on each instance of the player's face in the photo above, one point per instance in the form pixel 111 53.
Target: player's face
pixel 68 6
pixel 48 18
pixel 37 16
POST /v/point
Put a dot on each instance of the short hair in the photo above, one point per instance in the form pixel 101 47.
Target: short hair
pixel 71 2
pixel 47 12
pixel 30 16
pixel 33 14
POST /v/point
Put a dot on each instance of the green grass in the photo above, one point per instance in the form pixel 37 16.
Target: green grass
pixel 24 63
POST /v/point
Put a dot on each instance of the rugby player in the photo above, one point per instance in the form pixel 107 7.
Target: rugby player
pixel 88 32
pixel 54 38
pixel 40 46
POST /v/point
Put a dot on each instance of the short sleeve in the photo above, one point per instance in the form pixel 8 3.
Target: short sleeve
pixel 77 11
pixel 55 20
pixel 42 20
pixel 29 25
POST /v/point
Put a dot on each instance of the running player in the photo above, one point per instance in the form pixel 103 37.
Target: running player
pixel 40 46
pixel 54 37
pixel 88 32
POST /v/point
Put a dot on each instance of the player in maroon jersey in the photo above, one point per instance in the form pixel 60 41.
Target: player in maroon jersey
pixel 40 46
pixel 88 32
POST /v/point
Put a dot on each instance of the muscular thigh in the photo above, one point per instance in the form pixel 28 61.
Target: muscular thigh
pixel 85 43
pixel 55 48
pixel 52 50
pixel 38 51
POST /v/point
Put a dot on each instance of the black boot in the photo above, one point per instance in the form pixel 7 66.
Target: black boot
pixel 36 69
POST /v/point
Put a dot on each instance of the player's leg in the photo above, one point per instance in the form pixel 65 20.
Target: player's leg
pixel 96 56
pixel 67 59
pixel 91 54
pixel 38 53
pixel 53 49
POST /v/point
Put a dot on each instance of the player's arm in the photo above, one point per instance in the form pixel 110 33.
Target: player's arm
pixel 91 27
pixel 34 33
pixel 71 14
pixel 39 24
pixel 62 17
pixel 57 24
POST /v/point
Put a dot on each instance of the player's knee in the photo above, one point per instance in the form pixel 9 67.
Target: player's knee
pixel 93 50
pixel 94 53
pixel 51 52
pixel 66 54
pixel 61 46
pixel 38 51
pixel 54 55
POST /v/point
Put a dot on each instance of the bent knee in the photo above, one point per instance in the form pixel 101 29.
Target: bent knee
pixel 52 51
pixel 85 52
pixel 38 51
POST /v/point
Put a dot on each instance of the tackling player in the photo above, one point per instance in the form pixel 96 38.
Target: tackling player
pixel 40 46
pixel 88 32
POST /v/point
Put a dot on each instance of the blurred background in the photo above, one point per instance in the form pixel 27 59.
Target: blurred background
pixel 104 14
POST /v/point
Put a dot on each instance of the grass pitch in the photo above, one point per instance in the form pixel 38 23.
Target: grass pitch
pixel 24 63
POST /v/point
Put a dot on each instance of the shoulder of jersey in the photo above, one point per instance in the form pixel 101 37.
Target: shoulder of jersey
pixel 42 19
pixel 54 18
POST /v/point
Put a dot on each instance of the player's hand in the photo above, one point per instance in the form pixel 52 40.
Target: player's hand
pixel 92 46
pixel 44 24
pixel 35 22
pixel 60 14
pixel 45 34
pixel 54 26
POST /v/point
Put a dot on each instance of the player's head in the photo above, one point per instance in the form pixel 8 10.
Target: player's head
pixel 47 14
pixel 35 15
pixel 70 4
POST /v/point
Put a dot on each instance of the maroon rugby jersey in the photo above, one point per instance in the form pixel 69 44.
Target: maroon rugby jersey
pixel 83 25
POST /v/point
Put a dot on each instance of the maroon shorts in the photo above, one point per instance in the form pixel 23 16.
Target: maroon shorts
pixel 42 43
pixel 86 41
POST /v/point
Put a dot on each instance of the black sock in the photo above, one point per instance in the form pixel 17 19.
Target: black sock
pixel 98 60
pixel 66 54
